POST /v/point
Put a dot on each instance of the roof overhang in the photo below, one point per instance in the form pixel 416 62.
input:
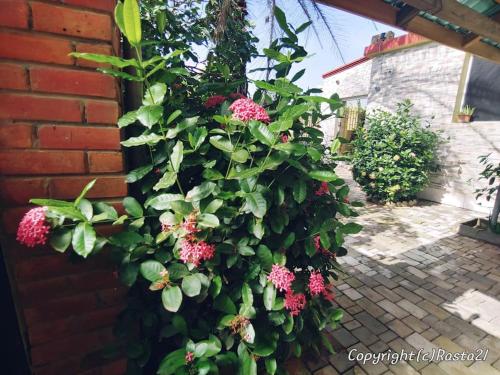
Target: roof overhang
pixel 445 21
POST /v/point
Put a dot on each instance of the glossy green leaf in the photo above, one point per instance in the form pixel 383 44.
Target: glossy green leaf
pixel 171 118
pixel 168 179
pixel 208 221
pixel 269 296
pixel 155 94
pixel 172 362
pixel 261 132
pixel 271 366
pixel 138 173
pixel 149 139
pixel 132 207
pixel 299 191
pixel 127 119
pixel 151 270
pixel 177 156
pixel 202 191
pixel 171 298
pixel 132 22
pixel 84 239
pixel 323 175
pixel 221 143
pixel 191 286
pixel 163 201
pixel 60 239
pixel 119 16
pixel 149 115
pixel 84 192
pixel 257 204
pixel 225 304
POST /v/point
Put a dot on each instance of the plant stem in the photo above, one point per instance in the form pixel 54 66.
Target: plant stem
pixel 231 157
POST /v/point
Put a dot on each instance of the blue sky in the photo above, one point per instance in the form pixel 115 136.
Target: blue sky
pixel 352 32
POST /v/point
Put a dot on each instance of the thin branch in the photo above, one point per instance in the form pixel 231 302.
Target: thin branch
pixel 309 18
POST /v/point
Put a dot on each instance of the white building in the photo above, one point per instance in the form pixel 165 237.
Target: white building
pixel 438 80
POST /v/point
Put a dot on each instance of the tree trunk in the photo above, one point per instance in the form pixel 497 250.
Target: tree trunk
pixel 496 210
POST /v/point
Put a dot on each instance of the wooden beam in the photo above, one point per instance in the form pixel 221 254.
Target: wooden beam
pixel 471 39
pixel 405 15
pixel 460 15
pixel 376 10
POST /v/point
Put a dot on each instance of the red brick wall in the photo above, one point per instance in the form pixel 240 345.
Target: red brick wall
pixel 57 132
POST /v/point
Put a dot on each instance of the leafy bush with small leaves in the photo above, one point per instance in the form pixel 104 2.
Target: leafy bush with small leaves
pixel 491 173
pixel 393 155
pixel 230 249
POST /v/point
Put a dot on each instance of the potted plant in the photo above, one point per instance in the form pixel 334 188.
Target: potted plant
pixel 487 230
pixel 465 113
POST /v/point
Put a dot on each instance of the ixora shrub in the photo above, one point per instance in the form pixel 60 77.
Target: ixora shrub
pixel 231 250
pixel 393 155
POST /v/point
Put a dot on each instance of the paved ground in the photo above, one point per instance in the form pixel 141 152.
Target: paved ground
pixel 412 283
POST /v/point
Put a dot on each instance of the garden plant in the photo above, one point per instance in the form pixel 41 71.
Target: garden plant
pixel 491 173
pixel 393 155
pixel 229 246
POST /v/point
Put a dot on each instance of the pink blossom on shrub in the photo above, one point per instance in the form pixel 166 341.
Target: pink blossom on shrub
pixel 323 189
pixel 284 138
pixel 246 110
pixel 316 283
pixel 214 101
pixel 33 229
pixel 295 302
pixel 328 293
pixel 196 252
pixel 189 225
pixel 189 357
pixel 281 277
pixel 166 227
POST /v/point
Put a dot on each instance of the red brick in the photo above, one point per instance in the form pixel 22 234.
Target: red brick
pixel 84 342
pixel 105 162
pixel 14 14
pixel 66 81
pixel 35 47
pixel 39 292
pixel 48 331
pixel 79 137
pixel 20 190
pixel 105 187
pixel 11 218
pixel 68 21
pixel 106 5
pixel 15 136
pixel 41 162
pixel 102 49
pixel 34 107
pixel 101 112
pixel 13 76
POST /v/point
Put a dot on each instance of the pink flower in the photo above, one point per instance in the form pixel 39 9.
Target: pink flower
pixel 323 189
pixel 328 292
pixel 166 227
pixel 214 101
pixel 33 228
pixel 246 110
pixel 189 357
pixel 236 95
pixel 196 252
pixel 189 225
pixel 284 138
pixel 294 302
pixel 321 249
pixel 281 277
pixel 316 284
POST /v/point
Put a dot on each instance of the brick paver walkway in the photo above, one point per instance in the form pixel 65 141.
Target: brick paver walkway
pixel 412 283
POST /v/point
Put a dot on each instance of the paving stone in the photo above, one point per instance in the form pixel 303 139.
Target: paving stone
pixel 400 328
pixel 472 346
pixel 344 337
pixel 379 347
pixel 386 317
pixel 370 293
pixel 294 366
pixel 399 345
pixel 370 307
pixel 417 272
pixel 451 347
pixel 351 325
pixel 353 282
pixel 371 323
pixel 465 327
pixel 433 369
pixel 434 310
pixel 388 336
pixel 418 341
pixel 405 293
pixel 412 308
pixel 429 296
pixel 328 370
pixel 392 308
pixel 388 283
pixel 313 362
pixel 352 294
pixel 483 369
pixel 415 324
pixel 455 368
pixel 341 362
pixel 403 368
pixel 365 336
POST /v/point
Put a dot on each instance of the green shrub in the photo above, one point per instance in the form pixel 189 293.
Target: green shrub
pixel 393 155
pixel 230 248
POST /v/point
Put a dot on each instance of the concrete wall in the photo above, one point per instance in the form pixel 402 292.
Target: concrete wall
pixel 429 75
pixel 57 132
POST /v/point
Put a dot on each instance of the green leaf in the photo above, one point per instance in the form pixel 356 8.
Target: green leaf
pixel 183 125
pixel 323 175
pixel 172 362
pixel 128 273
pixel 335 146
pixel 197 137
pixel 119 74
pixel 289 240
pixel 84 238
pixel 60 239
pixel 269 296
pixel 281 125
pixel 119 16
pixel 85 208
pixel 281 18
pixel 240 156
pixel 127 119
pixel 199 192
pixel 214 346
pixel 155 94
pixel 225 304
pixel 138 173
pixel 52 203
pixel 191 286
pixel 248 364
pixel 172 298
pixel 208 221
pixel 173 116
pixel 299 191
pixel 265 257
pixel 105 59
pixel 149 115
pixel 351 228
pixel 213 206
pixel 247 295
pixel 167 180
pixel 246 173
pixel 257 204
pixel 295 112
pixel 151 270
pixel 314 153
pixel 221 143
pixel 84 192
pixel 132 207
pixel 271 366
pixel 132 22
pixel 177 271
pixel 177 156
pixel 163 201
pixel 261 132
pixel 149 139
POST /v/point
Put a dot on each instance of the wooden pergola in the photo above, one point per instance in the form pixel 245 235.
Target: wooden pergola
pixel 445 21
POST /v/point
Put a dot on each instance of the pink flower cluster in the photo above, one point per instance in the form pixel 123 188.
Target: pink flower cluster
pixel 323 189
pixel 189 357
pixel 189 225
pixel 246 109
pixel 33 229
pixel 316 284
pixel 281 277
pixel 214 101
pixel 284 138
pixel 294 302
pixel 196 252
